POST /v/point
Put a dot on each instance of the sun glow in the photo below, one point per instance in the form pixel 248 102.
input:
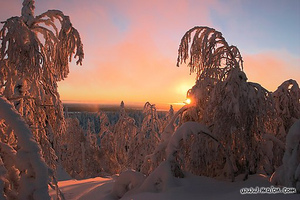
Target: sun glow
pixel 188 101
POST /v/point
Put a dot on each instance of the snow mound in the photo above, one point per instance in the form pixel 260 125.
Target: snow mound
pixel 128 180
pixel 289 173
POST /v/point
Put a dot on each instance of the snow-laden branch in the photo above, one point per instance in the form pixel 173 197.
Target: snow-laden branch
pixel 34 172
pixel 205 48
pixel 287 102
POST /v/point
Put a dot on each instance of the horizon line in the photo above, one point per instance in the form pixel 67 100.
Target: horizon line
pixel 159 106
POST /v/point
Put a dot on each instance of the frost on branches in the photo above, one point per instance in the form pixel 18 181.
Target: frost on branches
pixel 34 55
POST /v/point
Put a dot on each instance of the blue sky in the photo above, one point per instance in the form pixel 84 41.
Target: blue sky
pixel 261 25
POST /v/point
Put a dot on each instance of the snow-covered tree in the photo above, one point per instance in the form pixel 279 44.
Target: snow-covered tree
pixel 287 105
pixel 146 138
pixel 287 102
pixel 155 157
pixel 151 122
pixel 81 154
pixel 237 112
pixel 90 135
pixel 166 120
pixel 109 162
pixel 124 131
pixel 73 157
pixel 211 58
pixel 34 56
pixel 238 123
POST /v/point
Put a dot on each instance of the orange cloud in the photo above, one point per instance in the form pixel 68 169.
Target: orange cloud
pixel 134 71
pixel 270 69
pixel 136 64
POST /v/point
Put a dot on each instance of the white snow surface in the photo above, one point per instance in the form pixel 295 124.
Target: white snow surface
pixel 189 188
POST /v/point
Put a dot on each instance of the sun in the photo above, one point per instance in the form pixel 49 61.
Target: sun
pixel 188 101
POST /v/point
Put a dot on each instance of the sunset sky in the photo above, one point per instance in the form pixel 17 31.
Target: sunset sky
pixel 131 45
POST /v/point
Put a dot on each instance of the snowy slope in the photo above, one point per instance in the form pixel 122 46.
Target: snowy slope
pixel 189 188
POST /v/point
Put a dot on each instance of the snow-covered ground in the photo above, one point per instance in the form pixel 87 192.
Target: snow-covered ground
pixel 189 188
pixel 93 188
